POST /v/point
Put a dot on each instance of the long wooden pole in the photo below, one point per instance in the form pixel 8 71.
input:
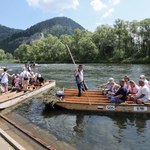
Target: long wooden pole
pixel 71 57
pixel 77 69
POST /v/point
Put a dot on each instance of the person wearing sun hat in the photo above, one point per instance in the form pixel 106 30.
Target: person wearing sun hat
pixel 143 77
pixel 108 86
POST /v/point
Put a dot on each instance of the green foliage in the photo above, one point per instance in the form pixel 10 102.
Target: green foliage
pixel 5 56
pixel 124 42
pixel 6 32
pixel 104 39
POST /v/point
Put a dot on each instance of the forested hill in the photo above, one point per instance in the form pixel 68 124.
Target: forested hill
pixel 6 32
pixel 56 26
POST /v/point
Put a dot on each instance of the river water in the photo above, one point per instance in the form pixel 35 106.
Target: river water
pixel 83 130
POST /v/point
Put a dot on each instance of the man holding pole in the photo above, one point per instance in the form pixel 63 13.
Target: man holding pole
pixel 80 80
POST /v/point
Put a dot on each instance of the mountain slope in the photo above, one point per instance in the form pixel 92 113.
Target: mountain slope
pixel 6 32
pixel 55 26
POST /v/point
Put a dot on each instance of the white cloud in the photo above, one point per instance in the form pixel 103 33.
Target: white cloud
pixel 108 13
pixel 98 5
pixel 56 5
pixel 114 2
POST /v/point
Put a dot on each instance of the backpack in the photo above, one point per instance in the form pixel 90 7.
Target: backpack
pixel 25 76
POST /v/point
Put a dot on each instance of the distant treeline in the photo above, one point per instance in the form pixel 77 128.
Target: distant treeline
pixel 5 56
pixel 125 42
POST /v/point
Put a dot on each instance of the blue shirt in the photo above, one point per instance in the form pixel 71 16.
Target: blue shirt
pixel 123 92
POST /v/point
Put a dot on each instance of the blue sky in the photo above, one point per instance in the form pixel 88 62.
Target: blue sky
pixel 22 14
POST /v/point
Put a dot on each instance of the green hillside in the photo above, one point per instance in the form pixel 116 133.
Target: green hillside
pixel 6 32
pixel 56 26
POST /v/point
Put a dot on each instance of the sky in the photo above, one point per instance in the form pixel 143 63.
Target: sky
pixel 22 14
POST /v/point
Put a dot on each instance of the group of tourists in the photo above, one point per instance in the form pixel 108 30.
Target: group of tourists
pixel 127 89
pixel 20 81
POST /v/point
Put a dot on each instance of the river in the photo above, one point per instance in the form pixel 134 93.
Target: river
pixel 86 131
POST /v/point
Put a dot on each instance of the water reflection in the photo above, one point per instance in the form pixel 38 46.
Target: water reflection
pixel 87 130
pixel 140 124
pixel 78 128
pixel 121 122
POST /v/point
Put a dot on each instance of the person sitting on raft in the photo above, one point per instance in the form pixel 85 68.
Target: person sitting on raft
pixel 109 86
pixel 16 83
pixel 39 80
pixel 143 94
pixel 143 77
pixel 121 95
pixel 126 83
pixel 114 90
pixel 79 77
pixel 133 87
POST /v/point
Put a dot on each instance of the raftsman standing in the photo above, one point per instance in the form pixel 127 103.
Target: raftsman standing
pixel 80 80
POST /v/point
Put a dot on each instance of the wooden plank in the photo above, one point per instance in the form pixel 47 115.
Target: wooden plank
pixel 85 97
pixel 9 96
pixel 75 91
pixel 98 102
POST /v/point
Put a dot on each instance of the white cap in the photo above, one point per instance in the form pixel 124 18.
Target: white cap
pixel 111 80
pixel 142 76
pixel 39 75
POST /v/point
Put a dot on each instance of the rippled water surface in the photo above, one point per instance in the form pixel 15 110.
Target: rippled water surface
pixel 83 130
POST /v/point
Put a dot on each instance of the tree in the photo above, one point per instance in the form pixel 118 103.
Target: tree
pixel 9 56
pixel 104 39
pixel 122 39
pixel 22 52
pixel 87 49
pixel 2 54
pixel 145 36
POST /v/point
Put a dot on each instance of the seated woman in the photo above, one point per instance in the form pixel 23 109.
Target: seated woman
pixel 133 88
pixel 114 90
pixel 108 86
pixel 16 82
pixel 39 80
pixel 126 83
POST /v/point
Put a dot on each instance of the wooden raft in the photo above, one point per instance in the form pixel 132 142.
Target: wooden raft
pixel 13 97
pixel 94 100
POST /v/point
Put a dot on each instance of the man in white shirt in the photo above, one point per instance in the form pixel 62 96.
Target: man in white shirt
pixel 80 80
pixel 143 94
pixel 143 77
pixel 25 76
